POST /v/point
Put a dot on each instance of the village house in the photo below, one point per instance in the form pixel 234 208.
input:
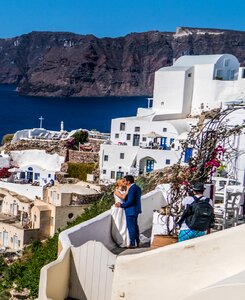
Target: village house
pixel 62 203
pixel 15 221
pixel 23 220
pixel 31 171
pixel 151 139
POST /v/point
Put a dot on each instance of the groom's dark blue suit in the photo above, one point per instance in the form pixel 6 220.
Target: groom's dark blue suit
pixel 132 206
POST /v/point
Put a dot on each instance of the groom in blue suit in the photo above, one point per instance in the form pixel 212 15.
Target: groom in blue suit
pixel 132 206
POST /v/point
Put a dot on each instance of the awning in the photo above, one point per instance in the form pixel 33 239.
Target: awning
pixel 152 134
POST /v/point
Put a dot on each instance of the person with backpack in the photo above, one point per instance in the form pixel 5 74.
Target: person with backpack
pixel 198 215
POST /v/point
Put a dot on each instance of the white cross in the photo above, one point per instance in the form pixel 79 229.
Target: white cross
pixel 41 121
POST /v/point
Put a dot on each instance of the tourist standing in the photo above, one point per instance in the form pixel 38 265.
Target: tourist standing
pixel 198 215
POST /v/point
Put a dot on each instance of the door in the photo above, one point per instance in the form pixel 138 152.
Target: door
pixel 119 175
pixel 92 271
pixel 136 140
pixel 149 165
pixel 5 239
pixel 15 209
pixel 164 143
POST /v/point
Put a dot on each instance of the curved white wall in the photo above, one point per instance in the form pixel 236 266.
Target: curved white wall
pixel 41 158
pixel 177 271
pixel 99 229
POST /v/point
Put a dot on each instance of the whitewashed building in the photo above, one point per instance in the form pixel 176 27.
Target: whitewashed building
pixel 4 160
pixel 151 139
pixel 36 165
pixel 31 171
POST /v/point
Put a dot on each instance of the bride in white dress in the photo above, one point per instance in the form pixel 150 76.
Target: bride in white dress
pixel 119 226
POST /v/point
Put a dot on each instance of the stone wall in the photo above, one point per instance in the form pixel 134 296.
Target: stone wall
pixel 83 157
pixel 77 199
pixel 50 146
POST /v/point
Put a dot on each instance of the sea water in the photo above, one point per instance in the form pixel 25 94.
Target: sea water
pixel 21 112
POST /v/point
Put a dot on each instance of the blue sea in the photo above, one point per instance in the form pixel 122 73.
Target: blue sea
pixel 20 112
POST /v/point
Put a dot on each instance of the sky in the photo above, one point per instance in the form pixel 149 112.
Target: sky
pixel 113 18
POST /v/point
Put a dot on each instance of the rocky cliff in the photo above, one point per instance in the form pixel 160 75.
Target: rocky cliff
pixel 67 64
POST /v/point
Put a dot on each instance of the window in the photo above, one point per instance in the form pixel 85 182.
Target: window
pixel 189 74
pixel 164 129
pixel 121 155
pixel 122 126
pixel 137 129
pixel 49 175
pixel 167 161
pixel 144 139
pixel 162 103
pixel 70 215
pixel 116 135
pixel 19 243
pixel 219 74
pixel 128 137
pixel 188 154
pixel 113 174
pixel 22 175
pixel 106 158
pixel 202 105
pixel 136 140
pixel 226 62
pixel 35 218
pixel 11 240
pixel 104 171
pixel 120 175
pixel 37 176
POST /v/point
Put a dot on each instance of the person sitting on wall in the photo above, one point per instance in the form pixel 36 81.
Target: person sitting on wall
pixel 198 215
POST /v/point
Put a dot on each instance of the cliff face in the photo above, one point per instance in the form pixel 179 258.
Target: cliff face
pixel 66 64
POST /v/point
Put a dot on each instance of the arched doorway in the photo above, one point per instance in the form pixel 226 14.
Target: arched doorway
pixel 146 164
pixel 29 174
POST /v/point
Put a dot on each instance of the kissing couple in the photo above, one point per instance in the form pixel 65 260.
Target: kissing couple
pixel 125 211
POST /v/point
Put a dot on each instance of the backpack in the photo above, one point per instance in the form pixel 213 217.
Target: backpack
pixel 200 214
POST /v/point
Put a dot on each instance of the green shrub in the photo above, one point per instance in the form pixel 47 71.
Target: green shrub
pixel 25 272
pixel 7 138
pixel 80 170
pixel 80 137
pixel 5 295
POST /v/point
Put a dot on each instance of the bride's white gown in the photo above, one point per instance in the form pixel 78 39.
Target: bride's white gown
pixel 119 228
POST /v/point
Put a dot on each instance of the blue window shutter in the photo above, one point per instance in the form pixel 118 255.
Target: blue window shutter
pixel 188 154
